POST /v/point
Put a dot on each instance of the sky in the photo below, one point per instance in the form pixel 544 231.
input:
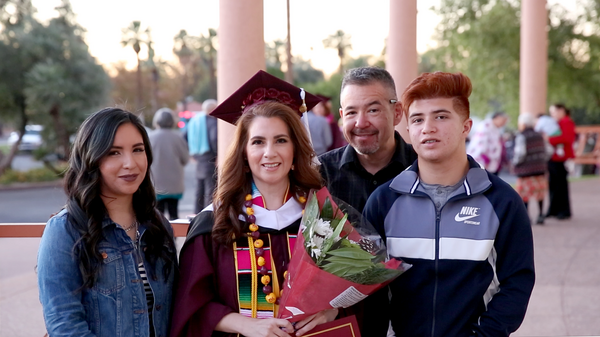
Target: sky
pixel 311 22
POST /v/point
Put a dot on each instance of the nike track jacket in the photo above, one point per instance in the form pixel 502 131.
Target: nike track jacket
pixel 473 269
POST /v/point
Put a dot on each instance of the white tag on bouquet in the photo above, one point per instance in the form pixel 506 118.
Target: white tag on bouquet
pixel 295 311
pixel 347 298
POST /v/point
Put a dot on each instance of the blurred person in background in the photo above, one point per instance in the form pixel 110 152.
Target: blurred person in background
pixel 530 163
pixel 320 132
pixel 170 157
pixel 323 109
pixel 486 145
pixel 202 141
pixel 560 205
pixel 547 125
pixel 107 261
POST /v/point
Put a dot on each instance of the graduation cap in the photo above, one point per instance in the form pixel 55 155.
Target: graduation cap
pixel 260 88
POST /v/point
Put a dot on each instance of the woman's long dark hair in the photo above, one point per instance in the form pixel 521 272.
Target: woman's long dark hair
pixel 84 205
pixel 235 178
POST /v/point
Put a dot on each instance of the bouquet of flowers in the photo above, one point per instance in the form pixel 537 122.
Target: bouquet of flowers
pixel 338 260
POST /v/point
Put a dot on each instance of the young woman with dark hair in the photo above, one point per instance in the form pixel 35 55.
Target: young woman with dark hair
pixel 237 250
pixel 106 263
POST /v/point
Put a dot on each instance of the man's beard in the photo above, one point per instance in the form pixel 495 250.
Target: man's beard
pixel 366 149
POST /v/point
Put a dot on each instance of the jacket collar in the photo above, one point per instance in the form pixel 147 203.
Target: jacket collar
pixel 476 181
pixel 107 221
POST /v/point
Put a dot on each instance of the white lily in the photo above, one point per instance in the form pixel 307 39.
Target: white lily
pixel 323 228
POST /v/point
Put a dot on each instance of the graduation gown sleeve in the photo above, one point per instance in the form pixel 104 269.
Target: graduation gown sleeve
pixel 200 301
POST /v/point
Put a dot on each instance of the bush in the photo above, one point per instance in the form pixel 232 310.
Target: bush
pixel 35 175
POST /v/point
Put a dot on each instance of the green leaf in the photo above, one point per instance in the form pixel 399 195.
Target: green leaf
pixel 351 253
pixel 336 269
pixel 338 229
pixel 311 213
pixel 327 210
pixel 352 270
pixel 377 274
pixel 347 244
pixel 348 261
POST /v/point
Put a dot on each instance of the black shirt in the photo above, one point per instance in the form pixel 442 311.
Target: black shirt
pixel 348 180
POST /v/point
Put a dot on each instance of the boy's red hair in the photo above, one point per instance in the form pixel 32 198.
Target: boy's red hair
pixel 439 85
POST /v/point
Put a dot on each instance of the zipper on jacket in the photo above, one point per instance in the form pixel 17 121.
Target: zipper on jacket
pixel 437 259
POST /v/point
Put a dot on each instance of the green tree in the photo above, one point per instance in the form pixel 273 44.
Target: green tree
pixel 134 36
pixel 47 76
pixel 16 18
pixel 185 55
pixel 471 41
pixel 197 56
pixel 164 76
pixel 208 54
pixel 305 73
pixel 151 64
pixel 339 41
pixel 273 55
pixel 329 87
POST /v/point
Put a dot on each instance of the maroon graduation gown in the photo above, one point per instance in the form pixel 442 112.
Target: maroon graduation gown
pixel 207 287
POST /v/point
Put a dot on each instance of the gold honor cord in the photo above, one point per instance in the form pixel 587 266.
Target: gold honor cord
pixel 237 276
pixel 253 298
pixel 275 281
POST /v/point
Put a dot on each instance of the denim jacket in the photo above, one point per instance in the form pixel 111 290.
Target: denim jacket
pixel 116 305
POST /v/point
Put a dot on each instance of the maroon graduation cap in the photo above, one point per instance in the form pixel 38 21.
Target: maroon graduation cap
pixel 260 88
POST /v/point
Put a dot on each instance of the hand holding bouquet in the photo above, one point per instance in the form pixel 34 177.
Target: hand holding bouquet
pixel 337 261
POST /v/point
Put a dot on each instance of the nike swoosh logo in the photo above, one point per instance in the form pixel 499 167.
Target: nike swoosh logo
pixel 459 218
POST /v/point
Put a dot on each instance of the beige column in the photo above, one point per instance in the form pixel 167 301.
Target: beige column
pixel 534 57
pixel 401 55
pixel 241 53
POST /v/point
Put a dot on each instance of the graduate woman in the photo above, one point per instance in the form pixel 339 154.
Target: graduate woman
pixel 106 263
pixel 237 250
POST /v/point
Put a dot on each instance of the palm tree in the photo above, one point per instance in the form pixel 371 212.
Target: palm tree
pixel 209 54
pixel 341 42
pixel 185 55
pixel 154 69
pixel 133 36
pixel 273 52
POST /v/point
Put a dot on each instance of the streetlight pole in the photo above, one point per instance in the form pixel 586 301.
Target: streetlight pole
pixel 289 74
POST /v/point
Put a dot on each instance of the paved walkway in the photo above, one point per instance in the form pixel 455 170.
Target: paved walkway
pixel 565 300
pixel 566 296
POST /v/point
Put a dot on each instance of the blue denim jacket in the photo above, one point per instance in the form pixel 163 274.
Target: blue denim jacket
pixel 116 304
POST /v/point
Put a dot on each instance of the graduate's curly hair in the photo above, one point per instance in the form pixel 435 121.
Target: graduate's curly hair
pixel 439 85
pixel 235 177
pixel 86 210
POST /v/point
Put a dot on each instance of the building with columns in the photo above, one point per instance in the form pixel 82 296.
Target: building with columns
pixel 241 51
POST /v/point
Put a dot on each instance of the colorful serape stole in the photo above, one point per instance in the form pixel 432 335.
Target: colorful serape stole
pixel 252 300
